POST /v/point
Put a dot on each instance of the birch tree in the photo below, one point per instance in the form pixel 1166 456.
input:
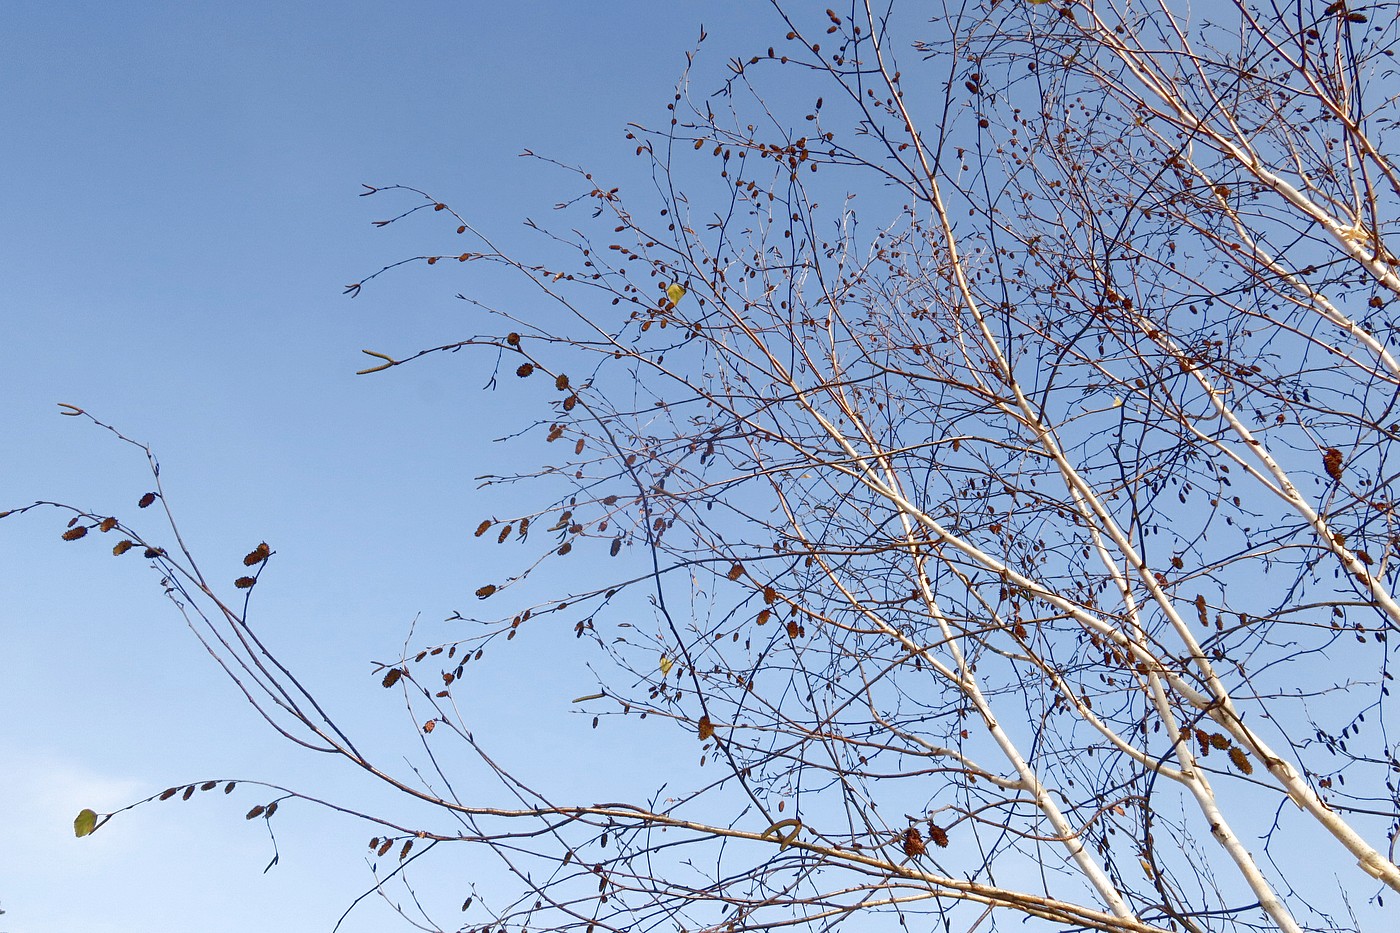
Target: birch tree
pixel 988 413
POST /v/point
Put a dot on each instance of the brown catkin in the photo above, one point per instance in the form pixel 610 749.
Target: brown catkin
pixel 1332 463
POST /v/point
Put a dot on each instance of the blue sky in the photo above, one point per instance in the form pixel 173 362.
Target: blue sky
pixel 180 216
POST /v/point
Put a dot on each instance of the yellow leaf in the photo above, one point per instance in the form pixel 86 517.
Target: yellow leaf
pixel 675 291
pixel 666 665
pixel 85 824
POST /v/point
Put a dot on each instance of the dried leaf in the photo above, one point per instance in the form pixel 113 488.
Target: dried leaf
pixel 666 665
pixel 675 292
pixel 705 728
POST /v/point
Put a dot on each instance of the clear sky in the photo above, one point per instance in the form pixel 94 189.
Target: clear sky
pixel 179 218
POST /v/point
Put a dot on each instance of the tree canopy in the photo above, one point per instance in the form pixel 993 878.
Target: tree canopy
pixel 977 437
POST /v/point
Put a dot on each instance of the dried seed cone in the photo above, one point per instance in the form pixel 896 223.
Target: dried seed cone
pixel 1332 463
pixel 1240 760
